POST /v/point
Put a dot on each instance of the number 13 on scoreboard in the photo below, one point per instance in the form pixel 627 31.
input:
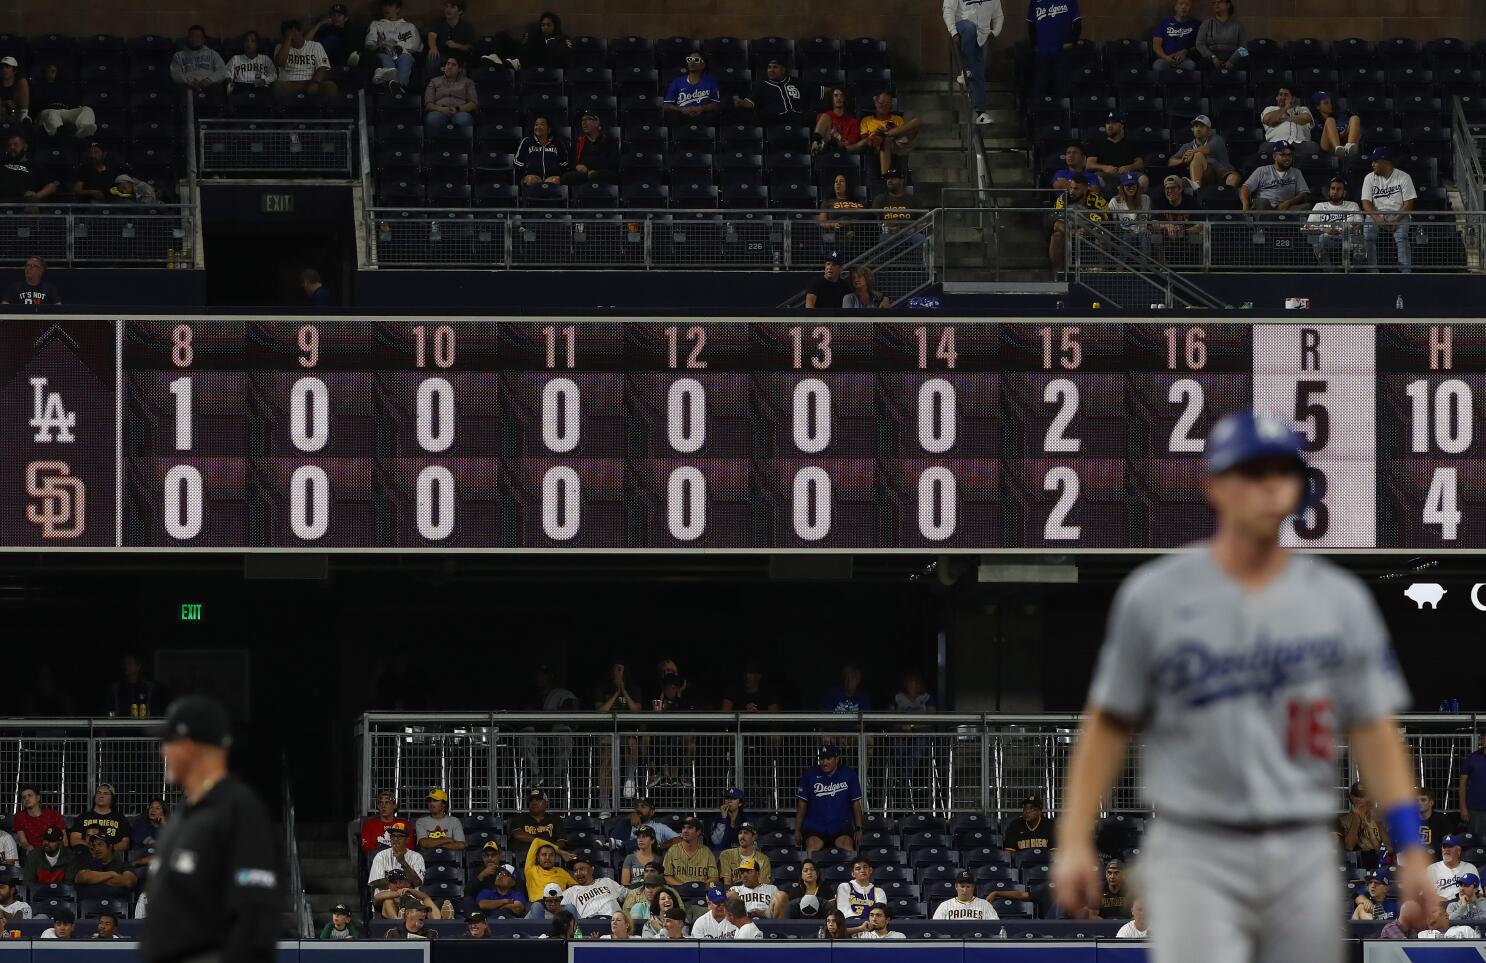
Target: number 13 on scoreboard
pixel 1322 378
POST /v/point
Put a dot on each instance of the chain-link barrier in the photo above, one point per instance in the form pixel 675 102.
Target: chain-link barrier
pixel 941 763
pixel 318 148
pixel 133 235
pixel 66 759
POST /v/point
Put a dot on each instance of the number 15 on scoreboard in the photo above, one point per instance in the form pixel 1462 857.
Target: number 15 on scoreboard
pixel 1322 378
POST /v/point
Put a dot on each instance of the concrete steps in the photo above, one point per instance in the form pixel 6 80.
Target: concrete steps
pixel 330 873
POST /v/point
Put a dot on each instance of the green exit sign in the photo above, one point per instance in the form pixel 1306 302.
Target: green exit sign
pixel 277 203
pixel 191 612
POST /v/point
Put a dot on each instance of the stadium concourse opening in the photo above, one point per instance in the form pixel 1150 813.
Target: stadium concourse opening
pixel 260 238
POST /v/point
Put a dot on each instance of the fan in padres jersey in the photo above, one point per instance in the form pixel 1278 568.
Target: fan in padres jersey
pixel 1243 664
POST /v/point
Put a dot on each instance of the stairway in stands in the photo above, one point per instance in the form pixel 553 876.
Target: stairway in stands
pixel 329 872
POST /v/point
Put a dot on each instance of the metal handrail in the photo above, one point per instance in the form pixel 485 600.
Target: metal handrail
pixel 303 918
pixel 56 230
pixel 908 240
pixel 975 163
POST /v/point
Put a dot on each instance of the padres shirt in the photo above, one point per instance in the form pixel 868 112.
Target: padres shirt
pixel 214 885
pixel 1243 694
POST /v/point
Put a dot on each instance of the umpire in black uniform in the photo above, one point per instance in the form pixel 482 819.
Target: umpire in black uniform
pixel 214 894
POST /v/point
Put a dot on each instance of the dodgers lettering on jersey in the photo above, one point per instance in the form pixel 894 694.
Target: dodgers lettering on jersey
pixel 1177 34
pixel 684 93
pixel 828 798
pixel 1052 23
pixel 1243 695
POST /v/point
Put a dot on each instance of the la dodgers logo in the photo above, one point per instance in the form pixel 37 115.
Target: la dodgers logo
pixel 48 416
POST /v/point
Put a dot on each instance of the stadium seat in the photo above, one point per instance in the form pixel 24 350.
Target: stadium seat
pixel 986 856
pixel 645 194
pixel 1012 909
pixel 932 855
pixel 498 195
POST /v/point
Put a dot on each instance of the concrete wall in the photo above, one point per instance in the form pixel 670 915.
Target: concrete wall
pixel 913 28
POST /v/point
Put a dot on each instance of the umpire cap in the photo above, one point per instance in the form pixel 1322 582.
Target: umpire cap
pixel 1248 436
pixel 197 718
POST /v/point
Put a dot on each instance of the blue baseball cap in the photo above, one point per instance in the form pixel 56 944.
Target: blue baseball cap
pixel 1319 96
pixel 1129 177
pixel 834 256
pixel 1469 879
pixel 1118 116
pixel 1244 436
pixel 1093 180
pixel 1381 878
pixel 733 793
pixel 829 752
pixel 1381 153
pixel 717 895
pixel 1451 840
pixel 1064 174
pixel 1280 145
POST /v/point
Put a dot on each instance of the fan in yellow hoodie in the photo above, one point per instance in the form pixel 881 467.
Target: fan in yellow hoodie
pixel 542 868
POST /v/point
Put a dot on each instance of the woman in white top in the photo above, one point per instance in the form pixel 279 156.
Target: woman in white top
pixel 620 927
pixel 1136 928
pixel 1131 210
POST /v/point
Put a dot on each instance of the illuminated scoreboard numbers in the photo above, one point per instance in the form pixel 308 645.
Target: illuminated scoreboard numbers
pixel 435 413
pixel 1322 378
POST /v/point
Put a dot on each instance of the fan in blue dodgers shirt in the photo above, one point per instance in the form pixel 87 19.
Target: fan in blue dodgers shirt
pixel 828 805
pixel 694 97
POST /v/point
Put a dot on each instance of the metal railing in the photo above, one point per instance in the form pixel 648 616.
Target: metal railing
pixel 997 229
pixel 937 763
pixel 66 758
pixel 124 235
pixel 299 148
pixel 671 240
pixel 304 921
pixel 977 172
pixel 904 262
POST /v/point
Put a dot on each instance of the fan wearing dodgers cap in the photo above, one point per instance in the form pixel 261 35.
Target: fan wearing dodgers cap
pixel 1278 186
pixel 1244 665
pixel 1468 908
pixel 1387 196
pixel 1205 156
pixel 714 924
pixel 1372 902
pixel 829 288
pixel 214 889
pixel 1447 872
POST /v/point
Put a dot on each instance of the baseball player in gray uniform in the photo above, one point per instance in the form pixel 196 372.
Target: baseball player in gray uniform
pixel 1242 664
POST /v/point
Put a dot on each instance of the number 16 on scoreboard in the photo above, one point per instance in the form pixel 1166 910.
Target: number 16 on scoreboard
pixel 1323 378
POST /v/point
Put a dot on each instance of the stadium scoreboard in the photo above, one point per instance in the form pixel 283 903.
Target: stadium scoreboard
pixel 719 434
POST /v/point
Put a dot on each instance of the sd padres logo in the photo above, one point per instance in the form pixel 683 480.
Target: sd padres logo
pixel 59 500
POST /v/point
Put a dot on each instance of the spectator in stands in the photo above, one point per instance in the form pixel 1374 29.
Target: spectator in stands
pixel 11 906
pixel 674 925
pixel 59 103
pixel 303 65
pixel 689 861
pixel 596 160
pixel 398 895
pixel 643 901
pixel 1114 899
pixel 755 693
pixel 17 181
pixel 547 901
pixel 1467 909
pixel 15 93
pixel 94 179
pixel 1175 38
pixel 776 99
pixel 333 34
pixel 890 133
pixel 1205 156
pixel 864 295
pixel 591 896
pixel 374 828
pixel 540 157
pixel 1137 928
pixel 857 895
pixel 694 97
pixel 1472 789
pixel 1388 197
pixel 316 294
pixel 1331 126
pixel 875 927
pixel 1085 206
pixel 1286 120
pixel 1358 829
pixel 1277 187
pixel 965 905
pixel 439 829
pixel 542 873
pixel 643 817
pixel 754 889
pixel 1372 902
pixel 51 862
pixel 714 924
pixel 564 926
pixel 645 851
pixel 32 290
pixel 895 202
pixel 834 927
pixel 731 860
pixel 1130 209
pixel 724 828
pixel 451 36
pixel 340 926
pixel 1436 824
pixel 501 896
pixel 111 823
pixel 1221 38
pixel 841 199
pixel 1075 166
pixel 1447 873
pixel 1033 830
pixel 545 45
pixel 450 98
pixel 1115 154
pixel 252 67
pixel 104 873
pixel 476 928
pixel 483 876
pixel 1053 27
pixel 108 927
pixel 972 23
pixel 620 927
pixel 828 805
pixel 537 823
pixel 1173 215
pixel 793 899
pixel 64 924
pixel 827 288
pixel 393 42
pixel 744 928
pixel 196 65
pixel 145 829
pixel 848 696
pixel 397 856
pixel 134 696
pixel 838 127
pixel 414 924
pixel 32 821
